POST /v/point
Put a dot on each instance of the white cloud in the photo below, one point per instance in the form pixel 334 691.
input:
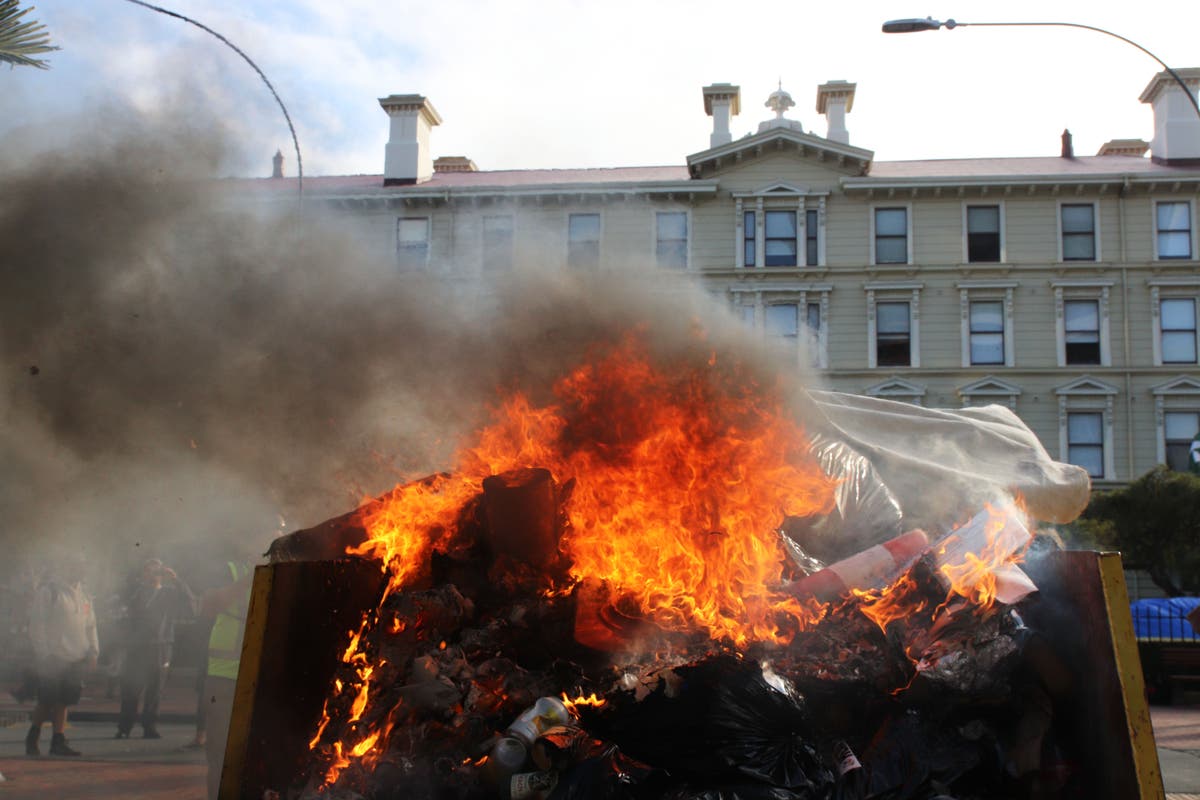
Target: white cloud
pixel 534 83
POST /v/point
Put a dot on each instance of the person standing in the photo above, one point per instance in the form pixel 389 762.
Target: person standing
pixel 153 604
pixel 62 630
pixel 226 607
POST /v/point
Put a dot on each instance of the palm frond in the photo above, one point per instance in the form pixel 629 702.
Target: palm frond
pixel 21 41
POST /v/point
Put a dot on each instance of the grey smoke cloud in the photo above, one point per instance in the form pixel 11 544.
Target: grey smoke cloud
pixel 183 367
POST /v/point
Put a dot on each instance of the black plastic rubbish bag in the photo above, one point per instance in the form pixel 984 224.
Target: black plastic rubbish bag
pixel 720 723
pixel 609 775
pixel 911 758
pixel 741 791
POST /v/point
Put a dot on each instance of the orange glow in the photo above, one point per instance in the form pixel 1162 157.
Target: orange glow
pixel 366 744
pixel 972 559
pixel 360 701
pixel 590 700
pixel 976 553
pixel 683 476
pixel 884 606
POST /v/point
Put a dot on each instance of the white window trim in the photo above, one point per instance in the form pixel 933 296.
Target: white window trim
pixel 800 295
pixel 966 232
pixel 1154 201
pixel 1181 393
pixel 1175 288
pixel 990 386
pixel 897 388
pixel 1095 204
pixel 567 237
pixel 908 236
pixel 1082 290
pixel 987 290
pixel 428 238
pixel 904 291
pixel 778 197
pixel 1088 395
pixel 687 256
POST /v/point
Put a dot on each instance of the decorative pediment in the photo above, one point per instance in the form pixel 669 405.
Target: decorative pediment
pixel 990 386
pixel 895 387
pixel 1182 384
pixel 839 157
pixel 1087 385
pixel 782 188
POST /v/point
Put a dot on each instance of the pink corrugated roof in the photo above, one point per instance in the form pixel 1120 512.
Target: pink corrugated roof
pixel 467 180
pixel 1048 166
pixel 951 168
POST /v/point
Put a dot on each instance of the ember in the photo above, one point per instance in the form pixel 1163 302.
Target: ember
pixel 600 600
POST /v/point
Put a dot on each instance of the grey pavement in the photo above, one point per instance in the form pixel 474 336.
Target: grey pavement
pixel 95 740
pixel 1178 726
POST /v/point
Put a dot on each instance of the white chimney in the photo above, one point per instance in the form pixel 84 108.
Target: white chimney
pixel 835 99
pixel 407 158
pixel 1176 123
pixel 721 102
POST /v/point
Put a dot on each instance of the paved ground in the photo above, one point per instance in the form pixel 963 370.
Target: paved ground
pixel 162 769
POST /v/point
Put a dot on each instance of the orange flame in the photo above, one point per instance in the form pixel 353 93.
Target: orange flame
pixel 590 700
pixel 683 476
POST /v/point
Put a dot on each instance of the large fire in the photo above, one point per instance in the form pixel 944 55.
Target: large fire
pixel 675 481
pixel 682 480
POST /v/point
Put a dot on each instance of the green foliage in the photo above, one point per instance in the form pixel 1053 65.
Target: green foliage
pixel 1155 523
pixel 21 41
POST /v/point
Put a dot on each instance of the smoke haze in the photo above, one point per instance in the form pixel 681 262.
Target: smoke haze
pixel 185 372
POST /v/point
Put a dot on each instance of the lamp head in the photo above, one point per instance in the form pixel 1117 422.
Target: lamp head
pixel 916 25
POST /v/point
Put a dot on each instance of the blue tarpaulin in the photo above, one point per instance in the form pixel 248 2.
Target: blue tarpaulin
pixel 1164 619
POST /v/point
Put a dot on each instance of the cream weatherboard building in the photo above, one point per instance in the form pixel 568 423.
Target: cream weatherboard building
pixel 1066 287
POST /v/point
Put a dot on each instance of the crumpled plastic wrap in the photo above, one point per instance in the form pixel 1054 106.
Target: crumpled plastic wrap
pixel 865 511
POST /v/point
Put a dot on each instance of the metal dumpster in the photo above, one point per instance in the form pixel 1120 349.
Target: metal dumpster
pixel 300 613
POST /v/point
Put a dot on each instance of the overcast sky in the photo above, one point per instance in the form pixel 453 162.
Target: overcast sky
pixel 540 84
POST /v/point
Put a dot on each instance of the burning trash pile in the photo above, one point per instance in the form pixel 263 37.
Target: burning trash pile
pixel 659 585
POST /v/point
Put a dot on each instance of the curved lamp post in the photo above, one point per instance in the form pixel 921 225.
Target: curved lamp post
pixel 931 24
pixel 287 117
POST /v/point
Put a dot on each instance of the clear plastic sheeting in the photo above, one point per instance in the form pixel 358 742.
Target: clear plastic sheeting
pixel 944 464
pixel 865 511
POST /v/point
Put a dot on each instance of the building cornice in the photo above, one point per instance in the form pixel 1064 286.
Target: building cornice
pixel 682 190
pixel 1057 184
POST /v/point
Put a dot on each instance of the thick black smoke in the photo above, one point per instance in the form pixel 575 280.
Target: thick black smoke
pixel 185 369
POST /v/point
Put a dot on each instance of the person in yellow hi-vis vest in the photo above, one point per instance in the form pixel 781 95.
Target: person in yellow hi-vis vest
pixel 226 606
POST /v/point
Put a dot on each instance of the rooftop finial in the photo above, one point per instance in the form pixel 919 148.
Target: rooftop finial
pixel 780 101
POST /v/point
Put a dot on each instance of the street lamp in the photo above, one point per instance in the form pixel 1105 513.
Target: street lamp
pixel 917 25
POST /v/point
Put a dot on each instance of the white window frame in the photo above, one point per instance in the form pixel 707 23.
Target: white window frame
pixel 799 295
pixel 1082 290
pixel 599 238
pixel 687 250
pixel 1088 395
pixel 908 236
pixel 895 291
pixel 1003 291
pixel 1171 289
pixel 778 197
pixel 1181 393
pixel 1095 204
pixel 966 252
pixel 428 240
pixel 1191 228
